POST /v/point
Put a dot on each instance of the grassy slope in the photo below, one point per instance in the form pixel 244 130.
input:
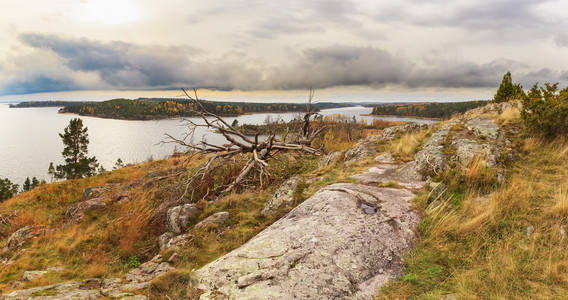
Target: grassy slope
pixel 472 248
pixel 110 242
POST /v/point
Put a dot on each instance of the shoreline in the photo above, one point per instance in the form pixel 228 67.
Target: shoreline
pixel 395 116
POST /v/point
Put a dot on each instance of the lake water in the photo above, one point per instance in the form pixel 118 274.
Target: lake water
pixel 29 137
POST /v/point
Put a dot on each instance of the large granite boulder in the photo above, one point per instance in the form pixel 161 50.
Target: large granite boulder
pixel 345 241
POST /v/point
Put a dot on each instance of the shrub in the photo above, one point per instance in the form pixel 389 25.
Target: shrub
pixel 545 110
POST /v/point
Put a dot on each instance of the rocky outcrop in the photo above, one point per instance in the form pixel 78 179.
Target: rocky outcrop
pixel 390 133
pixel 76 212
pixel 385 158
pixel 343 242
pixel 115 288
pixel 432 159
pixel 88 289
pixel 178 217
pixel 168 240
pixel 141 276
pixel 459 142
pixel 22 235
pixel 214 219
pixel 366 147
pixel 283 196
pixel 329 159
pixel 93 198
pixel 404 175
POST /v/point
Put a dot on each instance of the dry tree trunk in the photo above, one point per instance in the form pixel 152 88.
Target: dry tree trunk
pixel 256 152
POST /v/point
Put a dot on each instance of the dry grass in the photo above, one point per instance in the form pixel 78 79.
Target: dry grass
pixel 508 245
pixel 408 144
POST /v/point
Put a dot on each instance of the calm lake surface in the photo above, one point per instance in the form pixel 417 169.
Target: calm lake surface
pixel 29 137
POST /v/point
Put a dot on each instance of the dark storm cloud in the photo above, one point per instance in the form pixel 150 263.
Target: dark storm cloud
pixel 39 84
pixel 119 64
pixel 340 65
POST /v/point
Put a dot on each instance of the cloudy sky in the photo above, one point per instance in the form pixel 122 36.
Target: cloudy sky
pixel 364 50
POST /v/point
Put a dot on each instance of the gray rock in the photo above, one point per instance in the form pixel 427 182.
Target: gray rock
pixel 32 275
pixel 148 271
pixel 404 175
pixel 84 289
pixel 390 133
pixel 466 150
pixel 178 241
pixel 164 239
pixel 364 148
pixel 385 158
pixel 432 159
pixel 216 218
pixel 284 195
pixel 94 192
pixel 329 159
pixel 20 236
pixel 343 242
pixel 484 128
pixel 178 217
pixel 76 212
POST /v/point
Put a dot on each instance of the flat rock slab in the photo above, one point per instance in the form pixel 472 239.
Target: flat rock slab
pixel 345 241
pixel 404 175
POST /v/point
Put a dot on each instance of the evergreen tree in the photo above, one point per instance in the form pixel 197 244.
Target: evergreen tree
pixel 508 91
pixel 118 164
pixel 77 164
pixel 51 171
pixel 35 183
pixel 7 189
pixel 27 185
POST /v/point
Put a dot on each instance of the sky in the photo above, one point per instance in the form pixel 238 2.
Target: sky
pixel 350 50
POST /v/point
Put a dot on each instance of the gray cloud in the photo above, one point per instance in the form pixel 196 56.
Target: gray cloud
pixel 77 64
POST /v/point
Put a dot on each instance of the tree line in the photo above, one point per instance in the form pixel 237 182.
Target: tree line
pixel 436 110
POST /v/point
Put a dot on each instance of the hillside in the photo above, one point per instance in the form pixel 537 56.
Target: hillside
pixel 492 225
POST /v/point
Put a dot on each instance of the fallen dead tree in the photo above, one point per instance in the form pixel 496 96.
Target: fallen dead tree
pixel 252 152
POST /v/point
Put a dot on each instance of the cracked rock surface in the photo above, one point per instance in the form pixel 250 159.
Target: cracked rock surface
pixel 343 242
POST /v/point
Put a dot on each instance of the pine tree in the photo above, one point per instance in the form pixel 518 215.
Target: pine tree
pixel 508 91
pixel 77 164
pixel 27 185
pixel 51 171
pixel 35 183
pixel 7 189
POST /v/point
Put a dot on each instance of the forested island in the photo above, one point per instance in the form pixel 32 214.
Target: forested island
pixel 426 110
pixel 162 108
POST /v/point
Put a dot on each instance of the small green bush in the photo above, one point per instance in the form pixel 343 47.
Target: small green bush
pixel 545 110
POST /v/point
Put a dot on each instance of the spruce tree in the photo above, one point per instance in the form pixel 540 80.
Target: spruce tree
pixel 77 164
pixel 508 91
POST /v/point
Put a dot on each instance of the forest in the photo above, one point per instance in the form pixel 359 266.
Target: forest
pixel 161 108
pixel 436 110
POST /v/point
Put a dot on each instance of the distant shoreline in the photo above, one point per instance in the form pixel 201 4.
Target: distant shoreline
pixel 395 116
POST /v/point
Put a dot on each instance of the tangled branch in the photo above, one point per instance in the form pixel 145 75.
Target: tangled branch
pixel 239 147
